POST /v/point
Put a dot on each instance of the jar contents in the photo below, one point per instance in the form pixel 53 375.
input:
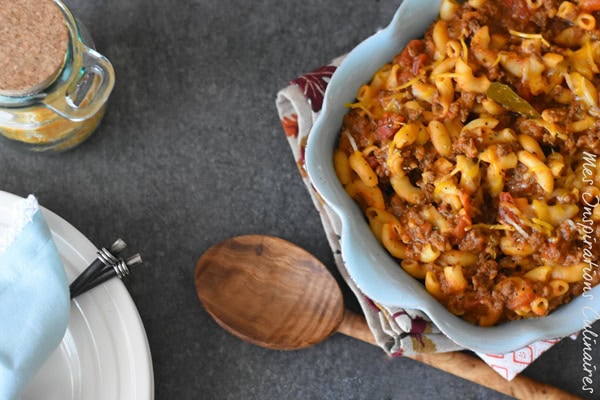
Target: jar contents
pixel 53 85
pixel 39 128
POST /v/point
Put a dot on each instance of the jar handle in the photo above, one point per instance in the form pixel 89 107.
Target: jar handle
pixel 86 95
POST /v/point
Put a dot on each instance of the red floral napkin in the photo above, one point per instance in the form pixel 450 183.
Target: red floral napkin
pixel 398 331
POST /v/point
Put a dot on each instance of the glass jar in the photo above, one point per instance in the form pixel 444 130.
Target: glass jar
pixel 68 108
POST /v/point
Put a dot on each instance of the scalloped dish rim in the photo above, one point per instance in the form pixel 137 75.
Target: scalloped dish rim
pixel 384 281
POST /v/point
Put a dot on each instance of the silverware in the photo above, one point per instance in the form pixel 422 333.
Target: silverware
pixel 106 266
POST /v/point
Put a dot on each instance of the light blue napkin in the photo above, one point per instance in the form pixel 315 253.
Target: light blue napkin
pixel 34 301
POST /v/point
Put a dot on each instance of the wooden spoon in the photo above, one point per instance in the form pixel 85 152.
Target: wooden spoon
pixel 272 293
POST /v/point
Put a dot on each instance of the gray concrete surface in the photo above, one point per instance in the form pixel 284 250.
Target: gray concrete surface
pixel 191 152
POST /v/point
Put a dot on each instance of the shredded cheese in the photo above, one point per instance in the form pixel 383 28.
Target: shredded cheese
pixel 523 35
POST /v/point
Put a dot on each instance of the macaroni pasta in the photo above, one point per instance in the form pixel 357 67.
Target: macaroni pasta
pixel 473 156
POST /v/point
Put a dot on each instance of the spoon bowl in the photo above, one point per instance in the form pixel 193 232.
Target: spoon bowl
pixel 269 292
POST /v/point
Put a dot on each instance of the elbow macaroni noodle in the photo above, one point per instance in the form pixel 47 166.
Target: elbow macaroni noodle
pixel 482 193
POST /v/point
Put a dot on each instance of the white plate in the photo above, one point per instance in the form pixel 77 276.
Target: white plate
pixel 104 354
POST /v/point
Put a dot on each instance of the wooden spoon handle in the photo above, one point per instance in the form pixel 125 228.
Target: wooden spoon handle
pixel 463 366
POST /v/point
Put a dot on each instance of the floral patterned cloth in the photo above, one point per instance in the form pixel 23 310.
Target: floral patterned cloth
pixel 398 331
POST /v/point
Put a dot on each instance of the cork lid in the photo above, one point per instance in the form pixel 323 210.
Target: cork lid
pixel 33 45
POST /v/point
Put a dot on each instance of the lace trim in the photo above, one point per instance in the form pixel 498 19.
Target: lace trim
pixel 22 214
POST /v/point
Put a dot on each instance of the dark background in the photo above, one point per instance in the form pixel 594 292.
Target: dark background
pixel 192 152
